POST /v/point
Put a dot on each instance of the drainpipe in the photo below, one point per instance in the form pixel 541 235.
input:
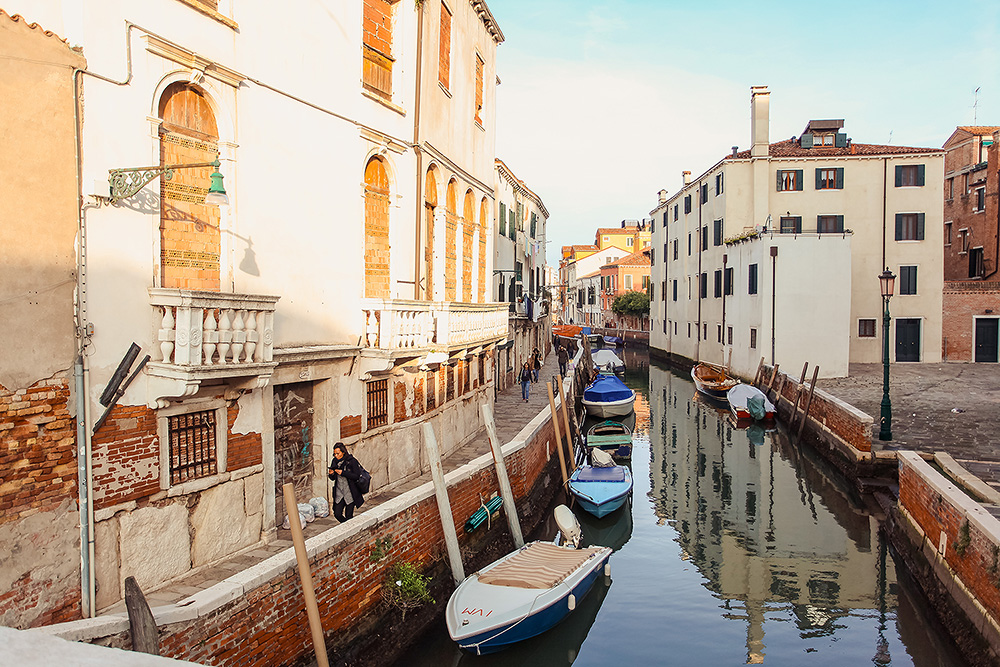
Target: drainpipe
pixel 418 199
pixel 774 286
pixel 725 260
pixel 697 349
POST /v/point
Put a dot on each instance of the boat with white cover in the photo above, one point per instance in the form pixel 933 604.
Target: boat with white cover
pixel 747 402
pixel 526 592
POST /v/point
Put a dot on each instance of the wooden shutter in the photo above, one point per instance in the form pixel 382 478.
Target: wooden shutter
pixel 899 216
pixel 920 216
pixel 920 174
pixel 777 181
pixel 503 219
pixel 899 183
pixel 806 141
pixel 840 223
pixel 798 179
pixel 840 177
pixel 819 178
pixel 840 141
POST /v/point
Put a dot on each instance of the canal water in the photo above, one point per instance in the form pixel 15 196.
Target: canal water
pixel 738 548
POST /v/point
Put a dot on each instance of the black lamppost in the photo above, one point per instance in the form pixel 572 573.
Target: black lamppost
pixel 887 281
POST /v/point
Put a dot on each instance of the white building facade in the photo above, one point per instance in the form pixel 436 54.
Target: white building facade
pixel 775 253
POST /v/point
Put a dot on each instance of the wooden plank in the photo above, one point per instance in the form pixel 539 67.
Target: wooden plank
pixel 798 396
pixel 809 399
pixel 305 576
pixel 142 627
pixel 555 425
pixel 508 494
pixel 756 376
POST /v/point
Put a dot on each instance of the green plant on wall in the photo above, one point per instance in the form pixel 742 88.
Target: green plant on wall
pixel 962 543
pixel 381 549
pixel 405 588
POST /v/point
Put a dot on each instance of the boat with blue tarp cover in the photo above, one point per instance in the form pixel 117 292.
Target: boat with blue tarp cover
pixel 607 396
pixel 602 487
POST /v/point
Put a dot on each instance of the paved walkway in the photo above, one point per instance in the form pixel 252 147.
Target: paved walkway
pixel 511 413
pixel 949 407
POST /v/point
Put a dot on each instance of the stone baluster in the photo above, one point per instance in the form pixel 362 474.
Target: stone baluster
pixel 210 337
pixel 251 344
pixel 239 336
pixel 225 334
pixel 411 330
pixel 185 319
pixel 371 329
pixel 266 336
pixel 393 321
pixel 167 334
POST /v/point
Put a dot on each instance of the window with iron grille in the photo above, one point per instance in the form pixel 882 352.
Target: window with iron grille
pixel 866 328
pixel 450 394
pixel 463 368
pixel 753 339
pixel 378 403
pixel 431 389
pixel 482 369
pixel 193 450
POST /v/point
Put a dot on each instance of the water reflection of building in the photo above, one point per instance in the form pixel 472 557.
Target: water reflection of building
pixel 767 528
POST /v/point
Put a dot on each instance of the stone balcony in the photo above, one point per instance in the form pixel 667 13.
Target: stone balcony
pixel 209 336
pixel 397 328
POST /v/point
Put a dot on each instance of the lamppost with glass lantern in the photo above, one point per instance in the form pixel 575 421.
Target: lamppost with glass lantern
pixel 887 281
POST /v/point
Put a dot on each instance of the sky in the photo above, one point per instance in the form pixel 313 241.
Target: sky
pixel 603 104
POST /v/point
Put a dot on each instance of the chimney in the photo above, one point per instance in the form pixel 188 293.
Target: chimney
pixel 759 103
pixel 662 194
pixel 735 150
pixel 686 177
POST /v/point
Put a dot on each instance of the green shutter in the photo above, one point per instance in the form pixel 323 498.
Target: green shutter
pixel 920 175
pixel 899 180
pixel 777 181
pixel 920 220
pixel 532 225
pixel 806 141
pixel 798 179
pixel 503 219
pixel 840 141
pixel 840 177
pixel 819 179
pixel 840 224
pixel 899 216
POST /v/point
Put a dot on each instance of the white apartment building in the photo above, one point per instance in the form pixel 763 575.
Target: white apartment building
pixel 775 253
pixel 581 307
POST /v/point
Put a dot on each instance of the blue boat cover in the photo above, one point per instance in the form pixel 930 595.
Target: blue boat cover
pixel 595 474
pixel 606 389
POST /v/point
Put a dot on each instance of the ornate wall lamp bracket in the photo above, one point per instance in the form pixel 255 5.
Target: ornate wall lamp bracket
pixel 127 182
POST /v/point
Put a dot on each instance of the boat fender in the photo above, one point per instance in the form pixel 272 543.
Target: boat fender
pixel 607 569
pixel 572 602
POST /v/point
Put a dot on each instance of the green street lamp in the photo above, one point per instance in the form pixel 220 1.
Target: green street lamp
pixel 125 183
pixel 887 281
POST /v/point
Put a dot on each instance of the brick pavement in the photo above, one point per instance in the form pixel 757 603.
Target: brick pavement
pixel 511 414
pixel 949 407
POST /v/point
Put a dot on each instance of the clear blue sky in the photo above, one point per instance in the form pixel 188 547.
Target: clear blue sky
pixel 602 104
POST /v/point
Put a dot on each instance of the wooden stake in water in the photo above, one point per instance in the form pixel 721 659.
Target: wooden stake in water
pixel 505 491
pixel 444 505
pixel 312 609
pixel 555 425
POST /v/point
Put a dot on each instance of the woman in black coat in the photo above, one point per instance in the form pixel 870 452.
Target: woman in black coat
pixel 344 471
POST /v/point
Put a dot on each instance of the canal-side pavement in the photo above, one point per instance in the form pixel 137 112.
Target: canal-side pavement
pixel 946 407
pixel 512 414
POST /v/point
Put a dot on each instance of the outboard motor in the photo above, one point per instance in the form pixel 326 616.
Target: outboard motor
pixel 569 527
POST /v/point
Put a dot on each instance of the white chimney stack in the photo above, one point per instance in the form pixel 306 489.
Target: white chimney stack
pixel 662 194
pixel 686 177
pixel 759 120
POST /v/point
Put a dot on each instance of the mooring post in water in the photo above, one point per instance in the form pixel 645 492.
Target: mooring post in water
pixel 312 609
pixel 555 425
pixel 798 396
pixel 141 626
pixel 444 505
pixel 809 400
pixel 569 431
pixel 505 491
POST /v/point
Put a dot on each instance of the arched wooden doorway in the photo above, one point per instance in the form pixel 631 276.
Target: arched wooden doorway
pixel 376 230
pixel 430 206
pixel 190 246
pixel 450 242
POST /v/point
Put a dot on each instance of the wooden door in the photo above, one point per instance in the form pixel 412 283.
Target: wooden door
pixel 376 230
pixel 987 330
pixel 907 339
pixel 293 443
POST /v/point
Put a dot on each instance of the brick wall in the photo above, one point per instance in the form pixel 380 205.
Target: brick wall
pixel 243 449
pixel 467 230
pixel 938 507
pixel 126 456
pixel 962 301
pixel 444 46
pixel 849 426
pixel 377 25
pixel 38 505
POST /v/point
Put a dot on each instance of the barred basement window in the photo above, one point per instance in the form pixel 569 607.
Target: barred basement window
pixel 193 450
pixel 378 403
pixel 482 369
pixel 431 389
pixel 866 328
pixel 753 339
pixel 450 393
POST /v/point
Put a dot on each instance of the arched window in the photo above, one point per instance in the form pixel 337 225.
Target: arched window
pixel 376 230
pixel 468 229
pixel 430 205
pixel 484 213
pixel 450 242
pixel 190 244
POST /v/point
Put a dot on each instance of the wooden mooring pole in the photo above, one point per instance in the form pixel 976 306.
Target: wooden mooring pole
pixel 570 444
pixel 809 400
pixel 505 491
pixel 555 425
pixel 444 505
pixel 305 576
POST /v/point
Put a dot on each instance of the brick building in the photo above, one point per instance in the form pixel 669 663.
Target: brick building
pixel 971 236
pixel 628 274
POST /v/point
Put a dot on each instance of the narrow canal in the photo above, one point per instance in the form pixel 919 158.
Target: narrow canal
pixel 738 548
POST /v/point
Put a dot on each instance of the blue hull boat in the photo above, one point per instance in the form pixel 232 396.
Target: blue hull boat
pixel 607 396
pixel 599 490
pixel 614 437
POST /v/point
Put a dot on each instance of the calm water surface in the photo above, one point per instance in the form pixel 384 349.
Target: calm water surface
pixel 738 549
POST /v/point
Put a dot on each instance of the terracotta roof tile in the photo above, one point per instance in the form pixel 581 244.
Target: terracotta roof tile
pixel 789 148
pixel 635 259
pixel 979 129
pixel 17 18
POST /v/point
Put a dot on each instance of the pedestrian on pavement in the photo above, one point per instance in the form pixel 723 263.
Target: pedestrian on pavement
pixel 563 356
pixel 344 471
pixel 536 364
pixel 525 378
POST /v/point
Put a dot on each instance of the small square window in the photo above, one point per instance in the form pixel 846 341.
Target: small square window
pixel 192 438
pixel 909 175
pixel 378 403
pixel 866 328
pixel 789 180
pixel 753 339
pixel 791 224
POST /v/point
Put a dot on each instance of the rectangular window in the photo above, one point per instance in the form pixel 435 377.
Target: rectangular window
pixel 376 49
pixel 866 328
pixel 829 224
pixel 976 267
pixel 947 233
pixel 728 281
pixel 830 178
pixel 519 272
pixel 378 403
pixel 718 331
pixel 980 200
pixel 791 224
pixel 192 445
pixel 704 193
pixel 629 241
pixel 652 256
pixel 949 188
pixel 704 238
pixel 676 247
pixel 907 280
pixel 717 232
pixel 534 219
pixel 676 212
pixel 752 279
pixel 503 219
pixel 689 244
pixel 729 334
pixel 689 329
pixel 449 394
pixel 628 281
pixel 444 47
pixel 753 339
pixel 718 284
pixel 704 331
pixel 591 295
pixel 675 290
pixel 463 371
pixel 789 180
pixel 687 204
pixel 704 285
pixel 718 184
pixel 431 384
pixel 646 285
pixel 909 175
pixel 482 369
pixel 909 226
pixel 480 68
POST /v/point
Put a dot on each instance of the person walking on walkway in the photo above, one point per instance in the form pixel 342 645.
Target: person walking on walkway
pixel 344 471
pixel 563 356
pixel 525 378
pixel 536 364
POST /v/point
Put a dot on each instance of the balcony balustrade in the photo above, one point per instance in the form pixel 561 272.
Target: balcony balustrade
pixel 400 326
pixel 210 335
